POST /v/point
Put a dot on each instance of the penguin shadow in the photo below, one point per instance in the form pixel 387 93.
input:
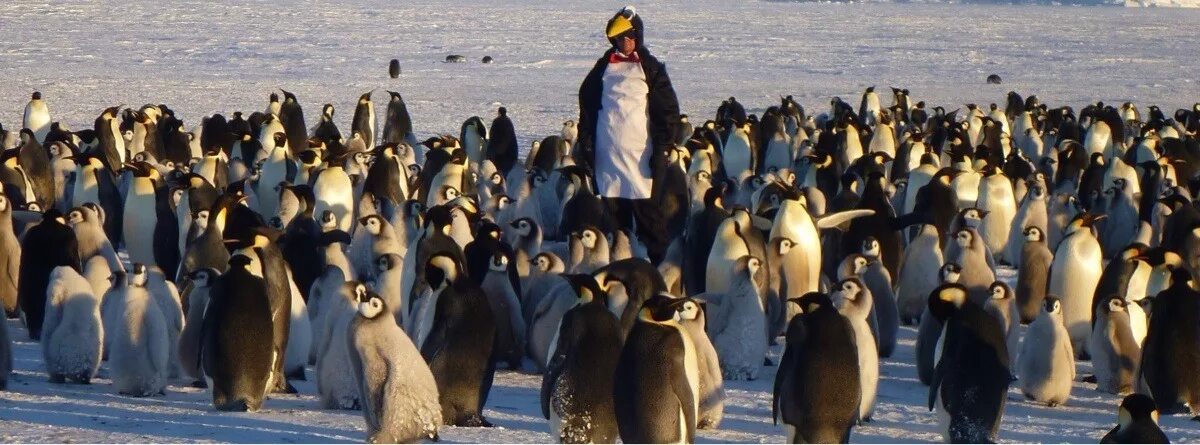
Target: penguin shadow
pixel 185 425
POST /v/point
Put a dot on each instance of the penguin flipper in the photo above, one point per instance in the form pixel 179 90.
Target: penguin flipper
pixel 836 219
pixel 683 391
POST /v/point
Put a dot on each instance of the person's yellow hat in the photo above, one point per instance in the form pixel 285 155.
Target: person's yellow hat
pixel 619 25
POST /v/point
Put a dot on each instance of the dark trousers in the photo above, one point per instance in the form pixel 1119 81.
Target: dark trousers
pixel 647 218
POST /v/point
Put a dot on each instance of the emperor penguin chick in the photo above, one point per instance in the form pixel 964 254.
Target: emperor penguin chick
pixel 72 334
pixel 739 320
pixel 399 395
pixel 712 387
pixel 1115 352
pixel 1047 365
pixel 855 304
pixel 189 341
pixel 140 344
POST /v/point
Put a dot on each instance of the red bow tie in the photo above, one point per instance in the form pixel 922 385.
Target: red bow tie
pixel 617 57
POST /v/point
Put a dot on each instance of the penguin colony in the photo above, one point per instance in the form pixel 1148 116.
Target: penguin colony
pixel 406 272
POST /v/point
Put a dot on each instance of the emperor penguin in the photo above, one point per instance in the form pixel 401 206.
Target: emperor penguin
pixel 1033 274
pixel 399 395
pixel 291 114
pixel 1122 222
pixel 711 395
pixel 1002 304
pixel 498 284
pixel 878 280
pixel 140 346
pixel 742 318
pixel 1074 274
pixel 37 262
pixel 37 116
pixel 1114 349
pixel 73 334
pixel 10 264
pixel 820 342
pixel 234 352
pixel 337 388
pixel 335 193
pixel 656 388
pixel 997 199
pixel 273 171
pixel 388 269
pixel 1171 351
pixel 577 388
pixel 972 256
pixel 1047 364
pixel 919 274
pixel 972 376
pixel 378 238
pixel 854 302
pixel 363 122
pixel 87 223
pixel 202 282
pixel 459 342
pixel 140 214
pixel 1137 422
pixel 111 144
pixel 1031 213
pixel 589 250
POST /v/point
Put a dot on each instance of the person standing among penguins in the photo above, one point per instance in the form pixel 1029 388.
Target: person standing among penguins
pixel 627 111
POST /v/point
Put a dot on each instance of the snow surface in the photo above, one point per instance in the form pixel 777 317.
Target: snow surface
pixel 202 58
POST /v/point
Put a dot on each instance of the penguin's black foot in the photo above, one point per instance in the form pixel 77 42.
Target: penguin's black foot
pixel 1089 378
pixel 767 361
pixel 1196 419
pixel 1052 404
pixel 286 388
pixel 475 421
pixel 200 384
pixel 57 378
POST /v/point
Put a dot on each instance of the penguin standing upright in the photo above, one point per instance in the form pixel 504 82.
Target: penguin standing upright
pixel 459 343
pixel 35 162
pixel 274 272
pixel 972 375
pixel 741 318
pixel 1033 276
pixel 398 127
pixel 198 296
pixel 502 143
pixel 140 345
pixel 363 122
pixel 1033 212
pixel 73 334
pixel 291 114
pixel 10 264
pixel 577 388
pixel 1137 422
pixel 1074 274
pixel 1115 352
pixel 399 395
pixel 111 144
pixel 656 387
pixel 234 351
pixel 878 280
pixel 820 343
pixel 919 274
pixel 37 263
pixel 1047 363
pixel 1171 352
pixel 855 302
pixel 710 407
pixel 37 116
pixel 140 214
pixel 335 192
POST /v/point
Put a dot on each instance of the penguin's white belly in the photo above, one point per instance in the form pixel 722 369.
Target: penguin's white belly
pixel 140 220
pixel 691 368
pixel 868 365
pixel 1074 276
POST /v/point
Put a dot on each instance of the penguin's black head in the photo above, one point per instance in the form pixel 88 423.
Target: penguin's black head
pixel 661 308
pixel 1136 407
pixel 813 302
pixel 395 97
pixel 37 95
pixel 441 270
pixel 1052 305
pixel 138 275
pixel 370 304
pixel 488 229
pixel 946 300
pixel 999 290
pixel 586 288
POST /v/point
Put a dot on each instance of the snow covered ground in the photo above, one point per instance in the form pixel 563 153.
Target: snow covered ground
pixel 202 58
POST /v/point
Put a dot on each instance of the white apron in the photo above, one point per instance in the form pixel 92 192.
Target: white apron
pixel 622 135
